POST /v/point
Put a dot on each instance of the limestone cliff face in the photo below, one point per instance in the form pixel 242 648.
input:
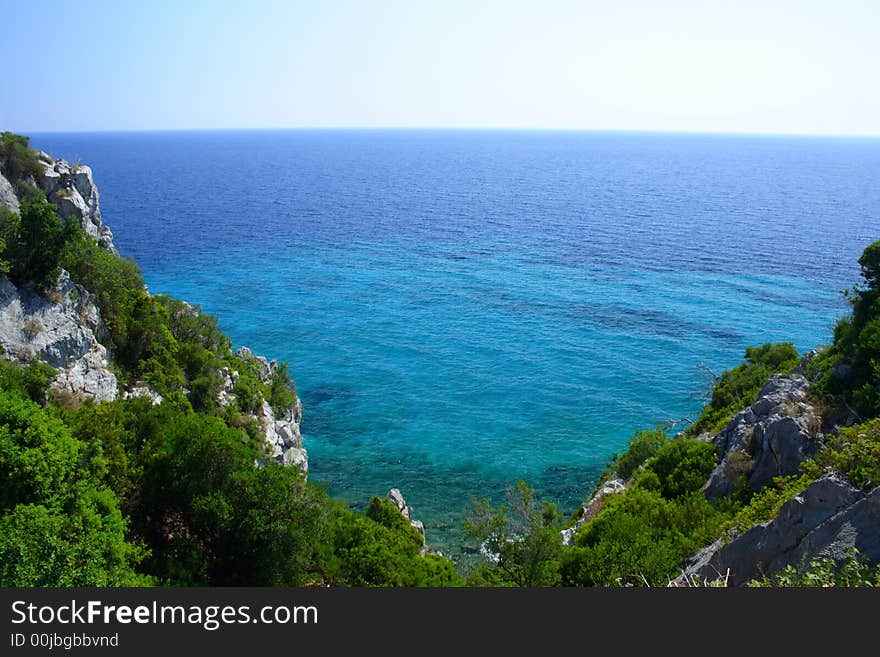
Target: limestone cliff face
pixel 8 199
pixel 64 332
pixel 73 190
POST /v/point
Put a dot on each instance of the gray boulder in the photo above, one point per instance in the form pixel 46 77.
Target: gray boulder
pixel 855 528
pixel 824 519
pixel 771 438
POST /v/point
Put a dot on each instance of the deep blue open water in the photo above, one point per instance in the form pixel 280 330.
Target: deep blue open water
pixel 464 308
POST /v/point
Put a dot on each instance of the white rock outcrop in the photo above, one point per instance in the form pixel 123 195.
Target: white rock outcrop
pixel 63 332
pixel 283 438
pixel 73 190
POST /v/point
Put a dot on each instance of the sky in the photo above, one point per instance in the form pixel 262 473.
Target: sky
pixel 772 66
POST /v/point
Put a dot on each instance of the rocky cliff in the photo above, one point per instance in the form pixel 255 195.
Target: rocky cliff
pixel 63 327
pixel 769 439
pixel 72 189
pixel 63 332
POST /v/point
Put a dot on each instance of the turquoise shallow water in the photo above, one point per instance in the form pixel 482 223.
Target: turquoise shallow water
pixel 461 309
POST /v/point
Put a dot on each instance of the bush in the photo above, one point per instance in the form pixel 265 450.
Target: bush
pixel 523 535
pixel 18 161
pixel 30 381
pixel 59 526
pixel 682 466
pixel 642 446
pixel 640 538
pixel 857 345
pixel 853 452
pixel 34 252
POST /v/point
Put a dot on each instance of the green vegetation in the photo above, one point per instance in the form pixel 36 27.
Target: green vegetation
pixel 850 368
pixel 18 161
pixel 826 573
pixel 32 244
pixel 853 452
pixel 643 445
pixel 522 535
pixel 641 538
pixel 60 525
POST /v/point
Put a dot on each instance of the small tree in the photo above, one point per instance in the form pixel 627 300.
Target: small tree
pixel 36 252
pixel 522 537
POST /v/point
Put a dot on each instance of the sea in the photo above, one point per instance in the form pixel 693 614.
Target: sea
pixel 461 309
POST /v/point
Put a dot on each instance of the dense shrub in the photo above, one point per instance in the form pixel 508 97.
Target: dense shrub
pixel 681 466
pixel 18 162
pixel 33 245
pixel 857 345
pixel 853 452
pixel 30 381
pixel 640 538
pixel 643 445
pixel 59 525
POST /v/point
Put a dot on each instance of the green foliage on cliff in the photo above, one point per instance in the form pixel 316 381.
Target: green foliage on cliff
pixel 643 445
pixel 60 525
pixel 29 381
pixel 32 244
pixel 850 367
pixel 853 452
pixel 641 538
pixel 18 161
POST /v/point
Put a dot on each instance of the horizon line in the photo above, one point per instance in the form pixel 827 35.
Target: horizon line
pixel 425 128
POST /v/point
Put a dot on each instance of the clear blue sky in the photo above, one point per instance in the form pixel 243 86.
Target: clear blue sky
pixel 781 66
